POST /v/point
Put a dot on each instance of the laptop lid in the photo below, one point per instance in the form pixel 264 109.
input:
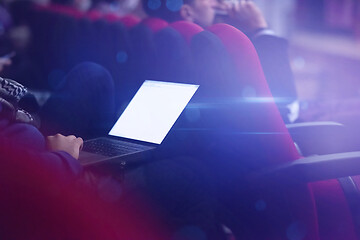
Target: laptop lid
pixel 153 111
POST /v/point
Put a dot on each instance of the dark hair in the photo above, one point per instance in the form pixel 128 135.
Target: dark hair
pixel 165 9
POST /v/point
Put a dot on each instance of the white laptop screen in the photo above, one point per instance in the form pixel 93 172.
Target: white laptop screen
pixel 153 111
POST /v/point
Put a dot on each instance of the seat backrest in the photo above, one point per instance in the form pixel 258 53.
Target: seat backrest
pixel 173 54
pixel 186 29
pixel 155 24
pixel 130 21
pixel 62 9
pixel 93 15
pixel 273 138
pixel 112 17
pixel 266 118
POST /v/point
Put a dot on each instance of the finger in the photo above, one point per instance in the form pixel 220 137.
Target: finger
pixel 71 137
pixel 79 142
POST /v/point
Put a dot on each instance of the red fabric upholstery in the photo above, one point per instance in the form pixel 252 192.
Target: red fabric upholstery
pixel 129 21
pixel 186 29
pixel 335 219
pixel 111 17
pixel 266 118
pixel 281 147
pixel 155 24
pixel 93 15
pixel 61 9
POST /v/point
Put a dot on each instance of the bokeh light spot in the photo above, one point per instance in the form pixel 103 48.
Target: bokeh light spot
pixel 296 231
pixel 121 57
pixel 154 4
pixel 174 5
pixel 260 205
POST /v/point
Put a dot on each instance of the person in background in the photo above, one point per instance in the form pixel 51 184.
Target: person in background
pixel 246 16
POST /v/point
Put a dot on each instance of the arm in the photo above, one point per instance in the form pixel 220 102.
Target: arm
pixel 24 143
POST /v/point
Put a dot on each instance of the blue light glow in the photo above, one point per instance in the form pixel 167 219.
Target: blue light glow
pixel 174 5
pixel 229 132
pixel 296 231
pixel 260 205
pixel 121 57
pixel 154 4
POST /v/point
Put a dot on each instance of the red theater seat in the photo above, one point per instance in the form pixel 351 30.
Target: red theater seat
pixel 323 206
pixel 111 17
pixel 93 15
pixel 62 9
pixel 155 24
pixel 130 21
pixel 186 29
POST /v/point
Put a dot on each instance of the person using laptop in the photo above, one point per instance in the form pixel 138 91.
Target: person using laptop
pixel 174 192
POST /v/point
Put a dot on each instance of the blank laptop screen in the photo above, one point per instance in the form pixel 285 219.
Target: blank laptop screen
pixel 153 111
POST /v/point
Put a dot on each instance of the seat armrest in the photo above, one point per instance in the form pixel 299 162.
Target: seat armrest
pixel 323 138
pixel 311 169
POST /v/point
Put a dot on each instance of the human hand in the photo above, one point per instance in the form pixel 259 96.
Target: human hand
pixel 4 61
pixel 69 144
pixel 246 16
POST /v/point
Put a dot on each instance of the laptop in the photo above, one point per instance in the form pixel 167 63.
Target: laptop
pixel 142 126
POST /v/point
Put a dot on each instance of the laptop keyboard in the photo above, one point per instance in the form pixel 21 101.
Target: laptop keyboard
pixel 110 148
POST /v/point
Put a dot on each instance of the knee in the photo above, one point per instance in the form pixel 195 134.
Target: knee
pixel 92 69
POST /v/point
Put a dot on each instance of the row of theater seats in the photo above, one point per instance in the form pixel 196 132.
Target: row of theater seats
pixel 234 101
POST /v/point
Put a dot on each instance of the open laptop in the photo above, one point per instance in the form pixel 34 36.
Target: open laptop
pixel 143 125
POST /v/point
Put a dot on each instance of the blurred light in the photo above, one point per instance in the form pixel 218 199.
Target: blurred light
pixel 299 63
pixel 304 105
pixel 248 92
pixel 259 99
pixel 154 4
pixel 260 205
pixel 189 233
pixel 229 132
pixel 55 78
pixel 296 231
pixel 192 114
pixel 174 5
pixel 121 57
